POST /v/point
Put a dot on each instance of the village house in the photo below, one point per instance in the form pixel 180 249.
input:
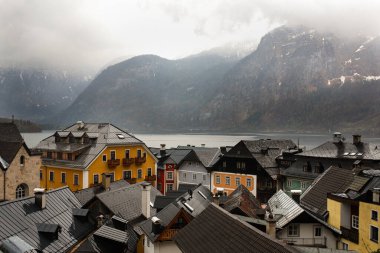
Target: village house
pixel 77 156
pixel 19 166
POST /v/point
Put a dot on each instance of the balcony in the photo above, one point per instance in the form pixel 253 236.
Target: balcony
pixel 128 161
pixel 131 180
pixel 139 160
pixel 350 234
pixel 307 242
pixel 113 163
pixel 150 178
pixel 168 234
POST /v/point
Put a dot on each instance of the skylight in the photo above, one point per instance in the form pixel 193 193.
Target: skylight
pixel 120 136
pixel 346 153
pixel 201 193
pixel 352 153
pixel 359 153
pixel 188 207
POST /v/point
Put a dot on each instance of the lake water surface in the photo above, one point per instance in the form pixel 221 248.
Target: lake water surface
pixel 212 140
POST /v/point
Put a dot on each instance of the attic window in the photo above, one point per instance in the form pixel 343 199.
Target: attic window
pixel 120 136
pixel 79 212
pixel 188 207
pixel 201 193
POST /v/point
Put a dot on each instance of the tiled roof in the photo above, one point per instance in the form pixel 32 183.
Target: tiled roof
pixel 216 230
pixel 241 198
pixel 107 135
pixel 163 201
pixel 284 208
pixel 10 142
pixel 332 180
pixel 10 133
pixel 208 156
pixel 177 155
pixel 20 218
pixel 125 202
pixel 85 195
pixel 344 150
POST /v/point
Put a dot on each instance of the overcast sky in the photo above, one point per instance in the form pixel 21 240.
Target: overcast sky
pixel 92 33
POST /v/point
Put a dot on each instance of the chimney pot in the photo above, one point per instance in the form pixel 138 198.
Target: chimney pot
pixel 40 197
pixel 356 139
pixel 163 150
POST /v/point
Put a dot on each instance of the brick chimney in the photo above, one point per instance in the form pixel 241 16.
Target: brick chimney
pixel 40 197
pixel 106 181
pixel 356 139
pixel 145 199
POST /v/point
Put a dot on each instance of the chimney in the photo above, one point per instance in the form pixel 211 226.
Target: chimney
pixel 376 195
pixel 163 150
pixel 156 225
pixel 99 220
pixel 337 137
pixel 356 139
pixel 271 225
pixel 80 125
pixel 40 197
pixel 106 181
pixel 145 199
pixel 223 150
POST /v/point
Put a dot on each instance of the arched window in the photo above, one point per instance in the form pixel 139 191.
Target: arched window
pixel 21 191
pixel 22 160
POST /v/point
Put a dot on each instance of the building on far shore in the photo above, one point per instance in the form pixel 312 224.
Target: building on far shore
pixel 19 165
pixel 78 155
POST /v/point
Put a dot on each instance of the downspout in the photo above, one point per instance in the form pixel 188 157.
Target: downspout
pixel 4 184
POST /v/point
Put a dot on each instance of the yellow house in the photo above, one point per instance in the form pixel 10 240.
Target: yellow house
pixel 78 155
pixel 357 218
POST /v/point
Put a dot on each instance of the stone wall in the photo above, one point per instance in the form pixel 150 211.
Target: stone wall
pixel 17 174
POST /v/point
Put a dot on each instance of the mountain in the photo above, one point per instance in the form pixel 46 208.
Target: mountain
pixel 297 79
pixel 32 93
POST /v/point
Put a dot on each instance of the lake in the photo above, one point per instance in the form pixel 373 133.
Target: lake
pixel 212 140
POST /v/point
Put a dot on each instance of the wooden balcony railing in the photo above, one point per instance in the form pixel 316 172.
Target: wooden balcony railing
pixel 139 160
pixel 350 234
pixel 150 178
pixel 168 234
pixel 311 242
pixel 128 161
pixel 131 180
pixel 113 163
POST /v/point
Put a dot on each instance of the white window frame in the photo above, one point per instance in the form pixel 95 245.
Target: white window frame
pixel 229 180
pixel 194 176
pixel 74 179
pixel 217 179
pixel 370 233
pixel 237 181
pixel 294 228
pixel 355 221
pixel 167 187
pixel 167 175
pixel 249 182
pixel 63 182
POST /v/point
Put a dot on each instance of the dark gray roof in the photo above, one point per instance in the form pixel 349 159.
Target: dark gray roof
pixel 107 136
pixel 241 198
pixel 85 195
pixel 186 187
pixel 125 202
pixel 332 180
pixel 112 234
pixel 344 150
pixel 15 244
pixel 10 133
pixel 20 218
pixel 163 201
pixel 216 230
pixel 208 156
pixel 177 155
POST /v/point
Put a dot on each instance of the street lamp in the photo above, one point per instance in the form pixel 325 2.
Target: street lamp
pixel 4 167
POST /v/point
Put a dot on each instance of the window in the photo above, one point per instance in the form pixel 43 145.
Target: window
pixel 96 179
pixel 204 177
pixel 41 175
pixel 269 184
pixel 289 183
pixel 374 234
pixel 113 154
pixel 307 167
pixel 224 164
pixel 238 165
pixel 249 182
pixel 228 181
pixel 293 230
pixel 76 179
pixel 149 172
pixel 69 156
pixel 374 215
pixel 21 191
pixel 317 231
pixel 194 176
pixel 184 175
pixel 63 177
pixel 112 176
pixel 169 175
pixel 49 155
pixel 51 175
pixel 139 153
pixel 169 187
pixel 345 246
pixel 22 160
pixel 127 153
pixel 237 181
pixel 217 179
pixel 104 158
pixel 243 165
pixel 355 221
pixel 139 173
pixel 59 155
pixel 303 185
pixel 127 174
